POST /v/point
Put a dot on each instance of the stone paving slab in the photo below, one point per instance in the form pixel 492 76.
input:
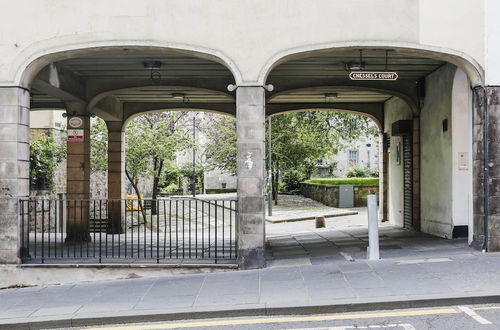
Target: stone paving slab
pixel 411 277
pixel 318 279
pixel 293 208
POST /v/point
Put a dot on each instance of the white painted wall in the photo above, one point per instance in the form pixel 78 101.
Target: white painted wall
pixel 395 109
pixel 446 187
pixel 461 131
pixel 47 119
pixel 249 36
pixel 492 52
pixel 436 154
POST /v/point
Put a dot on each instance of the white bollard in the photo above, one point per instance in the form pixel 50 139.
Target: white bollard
pixel 373 246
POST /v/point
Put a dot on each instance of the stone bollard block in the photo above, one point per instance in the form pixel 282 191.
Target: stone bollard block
pixel 320 222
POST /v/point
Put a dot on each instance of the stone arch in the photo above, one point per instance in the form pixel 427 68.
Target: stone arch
pixel 127 120
pixel 333 109
pixel 465 62
pixel 412 103
pixel 37 57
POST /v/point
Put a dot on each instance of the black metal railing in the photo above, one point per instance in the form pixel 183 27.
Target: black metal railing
pixel 175 230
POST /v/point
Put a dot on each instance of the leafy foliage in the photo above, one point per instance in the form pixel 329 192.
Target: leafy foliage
pixel 98 146
pixel 298 140
pixel 292 179
pixel 220 151
pixel 45 154
pixel 152 141
pixel 360 172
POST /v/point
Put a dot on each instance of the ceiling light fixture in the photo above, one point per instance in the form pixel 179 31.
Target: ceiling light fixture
pixel 356 66
pixel 178 96
pixel 329 97
pixel 152 65
pixel 154 68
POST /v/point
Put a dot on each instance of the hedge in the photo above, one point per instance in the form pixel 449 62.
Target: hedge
pixel 337 181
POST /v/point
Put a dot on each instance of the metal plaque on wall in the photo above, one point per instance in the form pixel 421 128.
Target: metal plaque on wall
pixel 365 75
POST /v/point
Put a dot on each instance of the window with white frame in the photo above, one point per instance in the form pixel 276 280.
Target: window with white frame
pixel 353 157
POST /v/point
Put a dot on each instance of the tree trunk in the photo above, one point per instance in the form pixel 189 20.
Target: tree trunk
pixel 156 182
pixel 136 189
pixel 275 187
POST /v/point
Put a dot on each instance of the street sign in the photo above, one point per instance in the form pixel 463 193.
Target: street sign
pixel 75 135
pixel 365 75
pixel 75 122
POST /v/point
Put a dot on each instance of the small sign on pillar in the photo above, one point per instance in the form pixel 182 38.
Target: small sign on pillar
pixel 75 129
pixel 75 135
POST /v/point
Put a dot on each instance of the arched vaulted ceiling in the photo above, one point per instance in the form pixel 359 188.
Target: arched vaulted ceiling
pixel 117 79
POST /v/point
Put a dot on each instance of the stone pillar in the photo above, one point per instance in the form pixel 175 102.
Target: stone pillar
pixel 116 172
pixel 14 168
pixel 415 149
pixel 489 101
pixel 250 126
pixel 78 175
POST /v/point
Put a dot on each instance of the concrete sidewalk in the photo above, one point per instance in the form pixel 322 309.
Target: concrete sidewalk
pixel 430 272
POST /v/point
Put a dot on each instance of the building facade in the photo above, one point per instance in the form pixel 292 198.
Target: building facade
pixel 252 59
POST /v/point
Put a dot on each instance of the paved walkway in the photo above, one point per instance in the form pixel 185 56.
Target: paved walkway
pixel 293 208
pixel 319 272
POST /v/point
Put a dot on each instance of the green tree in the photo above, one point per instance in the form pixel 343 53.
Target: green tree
pixel 298 140
pixel 220 151
pixel 45 154
pixel 152 141
pixel 98 146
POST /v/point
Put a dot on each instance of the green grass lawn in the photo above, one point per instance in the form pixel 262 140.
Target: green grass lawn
pixel 337 181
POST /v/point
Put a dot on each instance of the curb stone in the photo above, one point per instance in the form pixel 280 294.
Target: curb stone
pixel 256 310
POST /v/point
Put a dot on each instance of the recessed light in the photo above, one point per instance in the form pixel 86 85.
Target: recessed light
pixel 152 65
pixel 179 96
pixel 331 95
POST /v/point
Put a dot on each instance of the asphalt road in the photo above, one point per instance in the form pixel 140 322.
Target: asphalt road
pixel 452 317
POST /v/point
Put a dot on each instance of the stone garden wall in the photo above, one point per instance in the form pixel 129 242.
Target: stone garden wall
pixel 329 194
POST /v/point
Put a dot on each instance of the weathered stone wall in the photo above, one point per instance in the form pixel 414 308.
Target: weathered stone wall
pixel 14 167
pixel 329 195
pixel 491 103
pixel 361 193
pixel 323 193
pixel 493 94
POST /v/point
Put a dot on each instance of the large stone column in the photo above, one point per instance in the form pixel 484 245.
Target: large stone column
pixel 250 115
pixel 116 172
pixel 486 100
pixel 78 175
pixel 14 168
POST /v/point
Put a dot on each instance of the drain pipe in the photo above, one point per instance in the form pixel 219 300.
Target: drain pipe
pixel 483 103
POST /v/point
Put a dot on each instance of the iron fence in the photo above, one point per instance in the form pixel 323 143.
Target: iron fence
pixel 172 230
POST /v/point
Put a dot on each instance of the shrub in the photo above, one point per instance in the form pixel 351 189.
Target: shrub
pixel 45 154
pixel 338 181
pixel 356 172
pixel 292 180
